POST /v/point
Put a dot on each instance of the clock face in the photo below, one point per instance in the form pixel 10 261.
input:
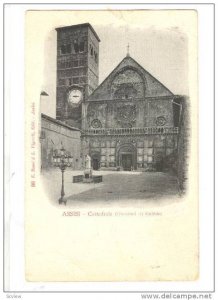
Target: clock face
pixel 75 96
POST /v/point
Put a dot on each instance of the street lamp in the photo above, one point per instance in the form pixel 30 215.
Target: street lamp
pixel 62 160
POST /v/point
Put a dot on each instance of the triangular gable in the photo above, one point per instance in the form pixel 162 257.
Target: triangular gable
pixel 154 88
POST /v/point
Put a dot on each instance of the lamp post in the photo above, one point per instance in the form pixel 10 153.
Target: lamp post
pixel 62 160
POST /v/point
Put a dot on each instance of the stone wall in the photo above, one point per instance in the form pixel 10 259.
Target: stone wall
pixel 156 112
pixel 54 134
pixel 160 112
pixel 72 65
pixel 121 103
pixel 183 143
pixel 77 67
pixel 150 152
pixel 125 121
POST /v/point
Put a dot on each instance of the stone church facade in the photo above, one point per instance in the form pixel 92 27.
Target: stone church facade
pixel 129 121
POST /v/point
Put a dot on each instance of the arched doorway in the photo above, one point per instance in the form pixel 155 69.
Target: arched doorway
pixel 95 160
pixel 126 157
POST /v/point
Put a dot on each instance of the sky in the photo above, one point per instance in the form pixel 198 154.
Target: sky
pixel 158 41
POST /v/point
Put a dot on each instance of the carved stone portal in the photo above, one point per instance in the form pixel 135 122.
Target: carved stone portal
pixel 127 157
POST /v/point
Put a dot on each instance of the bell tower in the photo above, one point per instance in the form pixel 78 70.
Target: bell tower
pixel 77 70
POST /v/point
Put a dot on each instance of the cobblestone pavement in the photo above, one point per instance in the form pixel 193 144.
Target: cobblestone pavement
pixel 117 188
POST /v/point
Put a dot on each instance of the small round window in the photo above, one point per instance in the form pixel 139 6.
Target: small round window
pixel 161 121
pixel 96 123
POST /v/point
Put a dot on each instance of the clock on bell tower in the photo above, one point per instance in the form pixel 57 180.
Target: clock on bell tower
pixel 77 70
pixel 75 96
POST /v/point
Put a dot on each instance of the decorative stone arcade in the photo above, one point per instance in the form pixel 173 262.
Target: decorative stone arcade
pixel 131 152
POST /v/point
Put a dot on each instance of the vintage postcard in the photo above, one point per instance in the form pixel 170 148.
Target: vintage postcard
pixel 111 150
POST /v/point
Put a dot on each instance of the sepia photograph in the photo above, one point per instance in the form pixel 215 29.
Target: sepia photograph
pixel 108 156
pixel 111 131
pixel 111 150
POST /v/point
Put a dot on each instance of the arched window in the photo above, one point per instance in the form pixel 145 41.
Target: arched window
pixel 81 46
pixel 76 46
pixel 65 49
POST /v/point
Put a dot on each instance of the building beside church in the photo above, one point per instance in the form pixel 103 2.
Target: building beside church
pixel 128 122
pixel 53 135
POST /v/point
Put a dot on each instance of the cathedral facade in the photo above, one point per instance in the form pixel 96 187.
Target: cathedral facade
pixel 129 121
